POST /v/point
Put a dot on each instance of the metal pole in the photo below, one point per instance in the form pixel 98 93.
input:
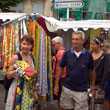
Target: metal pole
pixel 67 14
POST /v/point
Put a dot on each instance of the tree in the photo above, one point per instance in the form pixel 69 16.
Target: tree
pixel 6 4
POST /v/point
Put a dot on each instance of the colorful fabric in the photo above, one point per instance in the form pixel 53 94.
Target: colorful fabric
pixel 18 94
pixel 49 70
pixel 28 97
pixel 11 93
pixel 42 72
pixel 12 33
pixel 16 38
pixel 38 32
pixel 0 46
pixel 22 94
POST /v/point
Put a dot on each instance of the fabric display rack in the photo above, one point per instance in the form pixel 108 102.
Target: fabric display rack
pixel 11 32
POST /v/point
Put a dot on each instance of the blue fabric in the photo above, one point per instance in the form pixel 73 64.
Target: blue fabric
pixel 18 99
pixel 107 90
pixel 77 69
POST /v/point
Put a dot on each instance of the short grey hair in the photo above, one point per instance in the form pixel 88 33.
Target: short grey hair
pixel 79 32
pixel 58 39
pixel 107 44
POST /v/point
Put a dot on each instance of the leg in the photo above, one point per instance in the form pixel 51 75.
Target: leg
pixel 106 104
pixel 107 96
pixel 67 102
pixel 59 107
pixel 80 101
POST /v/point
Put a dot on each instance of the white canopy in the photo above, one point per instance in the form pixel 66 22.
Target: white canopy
pixel 54 25
pixel 11 16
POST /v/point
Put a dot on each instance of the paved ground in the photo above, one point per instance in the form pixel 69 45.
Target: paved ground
pixel 2 95
pixel 50 105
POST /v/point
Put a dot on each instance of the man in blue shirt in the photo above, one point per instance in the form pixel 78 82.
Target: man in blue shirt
pixel 79 63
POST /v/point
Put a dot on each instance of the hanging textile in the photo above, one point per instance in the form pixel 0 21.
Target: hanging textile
pixel 24 28
pixel 49 70
pixel 42 72
pixel 0 46
pixel 17 37
pixel 11 34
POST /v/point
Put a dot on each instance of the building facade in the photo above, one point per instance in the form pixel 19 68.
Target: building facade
pixel 35 6
pixel 92 9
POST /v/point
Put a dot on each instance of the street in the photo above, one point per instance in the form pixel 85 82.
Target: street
pixel 50 105
pixel 2 95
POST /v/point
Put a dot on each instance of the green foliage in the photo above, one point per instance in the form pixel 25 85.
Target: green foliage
pixel 6 4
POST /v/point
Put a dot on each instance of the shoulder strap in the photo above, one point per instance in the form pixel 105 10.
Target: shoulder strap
pixel 103 54
pixel 32 58
pixel 19 56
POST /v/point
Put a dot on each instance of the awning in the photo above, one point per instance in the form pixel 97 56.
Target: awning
pixel 53 25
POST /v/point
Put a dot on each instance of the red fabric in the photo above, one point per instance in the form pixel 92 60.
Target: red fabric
pixel 30 71
pixel 1 21
pixel 41 22
pixel 56 63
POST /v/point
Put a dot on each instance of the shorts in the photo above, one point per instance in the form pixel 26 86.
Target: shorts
pixel 72 99
pixel 107 90
pixel 57 97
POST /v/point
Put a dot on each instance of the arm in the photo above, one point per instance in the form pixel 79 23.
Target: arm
pixel 92 77
pixel 56 87
pixel 11 70
pixel 106 66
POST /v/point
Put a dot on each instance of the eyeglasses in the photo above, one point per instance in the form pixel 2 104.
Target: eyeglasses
pixel 55 43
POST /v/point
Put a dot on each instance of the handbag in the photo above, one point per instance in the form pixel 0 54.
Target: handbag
pixel 7 82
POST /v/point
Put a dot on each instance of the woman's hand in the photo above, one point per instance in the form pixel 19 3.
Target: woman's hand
pixel 100 90
pixel 35 96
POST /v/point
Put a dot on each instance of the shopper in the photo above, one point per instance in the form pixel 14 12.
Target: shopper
pixel 22 92
pixel 100 64
pixel 107 76
pixel 57 43
pixel 79 63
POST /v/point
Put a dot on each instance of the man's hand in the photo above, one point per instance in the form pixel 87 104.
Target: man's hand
pixel 92 91
pixel 56 89
pixel 53 58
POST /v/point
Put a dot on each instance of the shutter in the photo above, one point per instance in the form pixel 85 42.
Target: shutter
pixel 38 8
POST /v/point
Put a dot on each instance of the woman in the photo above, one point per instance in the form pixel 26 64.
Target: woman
pixel 99 62
pixel 22 92
pixel 107 75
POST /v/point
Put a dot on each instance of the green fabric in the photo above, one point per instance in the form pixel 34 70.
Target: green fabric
pixel 28 97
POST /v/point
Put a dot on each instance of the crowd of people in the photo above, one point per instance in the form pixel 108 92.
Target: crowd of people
pixel 85 69
pixel 74 71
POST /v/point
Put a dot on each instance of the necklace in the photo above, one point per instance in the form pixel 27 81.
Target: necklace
pixel 27 61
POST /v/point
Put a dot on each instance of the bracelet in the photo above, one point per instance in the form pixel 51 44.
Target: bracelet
pixel 35 89
pixel 92 88
pixel 15 71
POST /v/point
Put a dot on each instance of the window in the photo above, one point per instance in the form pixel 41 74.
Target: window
pixel 38 8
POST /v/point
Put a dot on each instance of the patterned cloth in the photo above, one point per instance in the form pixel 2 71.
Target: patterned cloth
pixel 10 97
pixel 21 94
pixel 18 94
pixel 27 100
pixel 49 70
pixel 42 71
